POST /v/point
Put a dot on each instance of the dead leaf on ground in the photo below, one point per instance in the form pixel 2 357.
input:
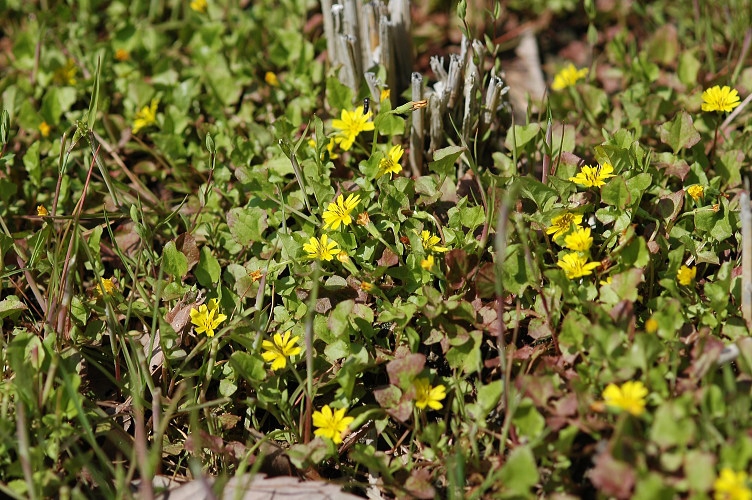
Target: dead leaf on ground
pixel 248 487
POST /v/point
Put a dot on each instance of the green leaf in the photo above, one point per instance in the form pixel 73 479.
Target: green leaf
pixel 717 224
pixel 444 159
pixel 339 319
pixel 520 472
pixel 680 133
pixel 32 164
pixel 92 116
pixel 529 422
pixel 57 101
pixel 637 186
pixel 534 190
pixel 389 124
pixel 635 254
pixel 672 426
pixel 207 272
pixel 467 355
pixel 594 99
pixel 338 94
pixel 227 387
pixel 616 193
pixel 729 167
pixel 339 349
pixel 487 399
pixel 247 225
pixel 688 68
pixel 250 367
pixel 467 217
pixel 624 285
pixel 515 272
pixel 520 135
pixel 174 261
pixel 11 305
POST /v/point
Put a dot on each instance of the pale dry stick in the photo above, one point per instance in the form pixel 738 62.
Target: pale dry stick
pixel 735 113
pixel 353 30
pixel 437 66
pixel 495 90
pixel 369 14
pixel 338 22
pixel 145 487
pixel 746 216
pixel 374 86
pixel 436 124
pixel 417 127
pixel 348 72
pixel 471 104
pixel 386 46
pixel 479 49
pixel 454 77
pixel 326 12
pixel 500 244
pixel 23 448
pixel 399 11
pixel 746 45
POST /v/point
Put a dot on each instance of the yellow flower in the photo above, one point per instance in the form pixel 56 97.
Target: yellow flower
pixel 426 395
pixel 42 211
pixel 207 318
pixel 730 485
pixel 278 351
pixel 696 191
pixel 720 99
pixel 430 242
pixel 427 263
pixel 66 75
pixel 568 76
pixel 44 129
pixel 329 148
pixel 331 424
pixel 321 249
pixel 686 275
pixel 390 164
pixel 593 176
pixel 366 286
pixel 271 79
pixel 651 325
pixel 629 397
pixel 108 284
pixel 255 275
pixel 146 116
pixel 580 240
pixel 561 224
pixel 122 55
pixel 199 6
pixel 338 212
pixel 576 266
pixel 384 95
pixel 607 281
pixel 350 124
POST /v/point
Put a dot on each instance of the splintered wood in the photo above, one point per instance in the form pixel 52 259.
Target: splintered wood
pixel 371 41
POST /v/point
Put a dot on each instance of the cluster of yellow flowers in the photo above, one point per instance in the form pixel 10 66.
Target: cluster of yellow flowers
pixel 207 318
pixel 577 239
